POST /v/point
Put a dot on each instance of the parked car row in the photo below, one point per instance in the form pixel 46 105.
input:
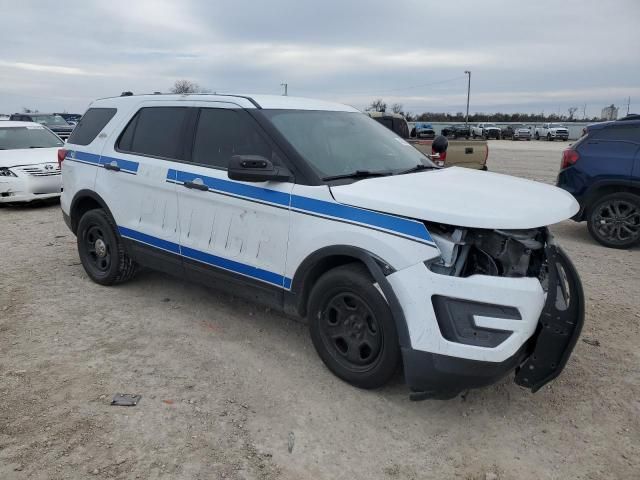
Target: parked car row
pixel 53 121
pixel 548 131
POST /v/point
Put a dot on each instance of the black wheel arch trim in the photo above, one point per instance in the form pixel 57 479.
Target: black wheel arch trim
pixel 77 198
pixel 594 191
pixel 295 301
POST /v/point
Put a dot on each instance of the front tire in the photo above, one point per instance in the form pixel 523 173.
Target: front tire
pixel 549 138
pixel 614 220
pixel 352 327
pixel 537 136
pixel 101 250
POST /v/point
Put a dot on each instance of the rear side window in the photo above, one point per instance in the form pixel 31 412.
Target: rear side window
pixel 625 133
pixel 91 125
pixel 221 133
pixel 154 131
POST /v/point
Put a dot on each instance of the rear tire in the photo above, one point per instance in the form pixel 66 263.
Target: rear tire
pixel 537 136
pixel 614 220
pixel 352 327
pixel 549 139
pixel 101 249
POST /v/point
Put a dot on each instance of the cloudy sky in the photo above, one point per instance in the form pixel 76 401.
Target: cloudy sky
pixel 524 56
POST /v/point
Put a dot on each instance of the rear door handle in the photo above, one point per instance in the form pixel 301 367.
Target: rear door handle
pixel 112 166
pixel 197 184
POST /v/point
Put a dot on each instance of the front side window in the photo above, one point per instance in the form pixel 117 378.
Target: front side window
pixel 338 143
pixel 155 131
pixel 15 138
pixel 222 133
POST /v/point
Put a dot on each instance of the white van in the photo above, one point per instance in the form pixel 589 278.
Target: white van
pixel 317 209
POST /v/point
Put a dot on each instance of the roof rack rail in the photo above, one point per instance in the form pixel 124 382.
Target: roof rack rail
pixel 631 116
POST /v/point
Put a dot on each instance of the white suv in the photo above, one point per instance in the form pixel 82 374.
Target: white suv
pixel 317 209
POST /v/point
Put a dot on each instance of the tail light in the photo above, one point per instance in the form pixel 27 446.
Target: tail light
pixel 442 158
pixel 569 157
pixel 62 153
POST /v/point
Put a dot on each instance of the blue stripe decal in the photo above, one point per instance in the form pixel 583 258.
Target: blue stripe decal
pixel 126 165
pixel 233 266
pixel 149 240
pixel 203 257
pixel 83 157
pixel 234 188
pixel 392 223
pixel 404 226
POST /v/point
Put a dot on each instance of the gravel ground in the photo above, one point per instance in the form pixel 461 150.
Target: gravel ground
pixel 231 390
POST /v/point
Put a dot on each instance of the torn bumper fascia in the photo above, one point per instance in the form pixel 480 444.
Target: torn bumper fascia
pixel 538 348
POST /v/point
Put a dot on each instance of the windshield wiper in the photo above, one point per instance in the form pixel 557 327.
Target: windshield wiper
pixel 418 168
pixel 357 174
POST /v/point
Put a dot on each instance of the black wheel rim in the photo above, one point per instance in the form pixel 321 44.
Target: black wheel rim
pixel 97 248
pixel 617 221
pixel 351 332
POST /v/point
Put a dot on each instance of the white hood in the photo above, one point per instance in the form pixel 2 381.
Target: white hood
pixel 462 197
pixel 28 156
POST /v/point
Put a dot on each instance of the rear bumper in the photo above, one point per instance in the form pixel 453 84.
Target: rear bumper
pixel 472 355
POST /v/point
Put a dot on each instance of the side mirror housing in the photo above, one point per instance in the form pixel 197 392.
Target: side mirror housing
pixel 256 168
pixel 440 144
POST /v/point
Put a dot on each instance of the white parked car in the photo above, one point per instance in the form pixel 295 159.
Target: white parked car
pixel 320 211
pixel 552 131
pixel 486 130
pixel 29 168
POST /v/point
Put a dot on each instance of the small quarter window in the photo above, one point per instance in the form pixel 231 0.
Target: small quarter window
pixel 90 125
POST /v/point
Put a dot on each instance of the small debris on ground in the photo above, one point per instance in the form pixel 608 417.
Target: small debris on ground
pixel 292 439
pixel 125 399
pixel 591 341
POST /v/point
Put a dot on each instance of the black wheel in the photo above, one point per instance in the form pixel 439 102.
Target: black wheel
pixel 537 136
pixel 101 251
pixel 352 327
pixel 549 139
pixel 614 220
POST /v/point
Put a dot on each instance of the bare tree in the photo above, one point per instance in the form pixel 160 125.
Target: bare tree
pixel 378 106
pixel 397 108
pixel 186 86
pixel 572 111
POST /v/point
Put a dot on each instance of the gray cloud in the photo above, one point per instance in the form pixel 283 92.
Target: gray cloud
pixel 524 56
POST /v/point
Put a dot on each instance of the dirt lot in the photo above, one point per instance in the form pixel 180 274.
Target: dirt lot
pixel 227 388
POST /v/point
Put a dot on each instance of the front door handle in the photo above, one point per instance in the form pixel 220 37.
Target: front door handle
pixel 196 184
pixel 112 166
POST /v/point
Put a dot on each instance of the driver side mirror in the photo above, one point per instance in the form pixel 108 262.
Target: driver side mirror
pixel 256 168
pixel 440 145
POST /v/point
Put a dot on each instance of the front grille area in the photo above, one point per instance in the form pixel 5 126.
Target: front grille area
pixel 42 170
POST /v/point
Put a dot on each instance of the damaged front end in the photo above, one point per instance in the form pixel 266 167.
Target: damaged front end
pixel 522 253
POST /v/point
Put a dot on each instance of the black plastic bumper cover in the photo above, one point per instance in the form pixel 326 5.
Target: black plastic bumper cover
pixel 538 362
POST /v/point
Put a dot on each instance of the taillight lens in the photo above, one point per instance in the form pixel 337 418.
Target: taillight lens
pixel 62 153
pixel 569 157
pixel 442 158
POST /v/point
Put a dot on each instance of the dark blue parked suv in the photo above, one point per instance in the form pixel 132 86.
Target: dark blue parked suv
pixel 602 171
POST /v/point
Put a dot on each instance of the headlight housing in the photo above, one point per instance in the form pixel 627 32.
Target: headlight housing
pixel 6 172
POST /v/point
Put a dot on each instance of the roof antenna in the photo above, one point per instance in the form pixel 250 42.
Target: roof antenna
pixel 126 94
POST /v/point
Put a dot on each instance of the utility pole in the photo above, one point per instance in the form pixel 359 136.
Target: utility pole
pixel 584 112
pixel 285 85
pixel 628 104
pixel 467 72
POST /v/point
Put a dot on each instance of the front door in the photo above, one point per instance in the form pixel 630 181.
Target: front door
pixel 231 230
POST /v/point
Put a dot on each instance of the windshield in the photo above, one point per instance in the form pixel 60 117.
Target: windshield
pixel 489 125
pixel 556 125
pixel 14 138
pixel 337 143
pixel 49 119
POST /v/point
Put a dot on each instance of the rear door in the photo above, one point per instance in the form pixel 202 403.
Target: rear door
pixel 609 153
pixel 137 181
pixel 231 230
